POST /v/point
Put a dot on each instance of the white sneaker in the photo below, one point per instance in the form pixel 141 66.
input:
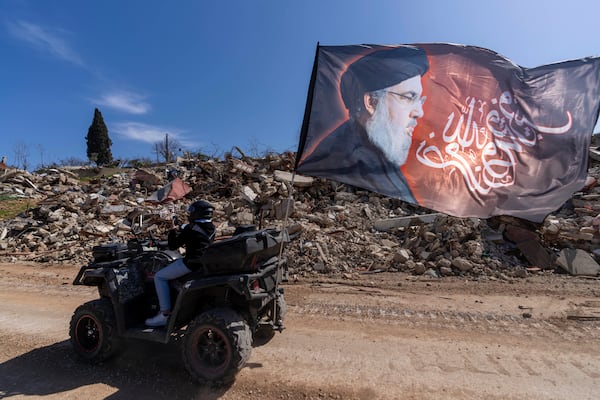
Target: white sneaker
pixel 159 319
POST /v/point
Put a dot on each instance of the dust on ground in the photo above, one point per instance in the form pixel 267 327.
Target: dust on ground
pixel 379 336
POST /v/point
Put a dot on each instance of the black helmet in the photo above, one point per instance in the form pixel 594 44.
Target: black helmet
pixel 199 210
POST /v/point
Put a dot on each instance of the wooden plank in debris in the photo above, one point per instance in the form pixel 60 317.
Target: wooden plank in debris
pixel 399 222
pixel 536 254
pixel 322 254
pixel 30 184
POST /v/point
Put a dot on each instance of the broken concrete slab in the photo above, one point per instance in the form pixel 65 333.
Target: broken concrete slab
pixel 578 262
pixel 462 264
pixel 400 222
pixel 299 180
pixel 248 194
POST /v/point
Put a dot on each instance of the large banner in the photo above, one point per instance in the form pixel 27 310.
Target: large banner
pixel 457 129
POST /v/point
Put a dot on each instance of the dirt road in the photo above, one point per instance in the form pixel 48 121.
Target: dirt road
pixel 383 336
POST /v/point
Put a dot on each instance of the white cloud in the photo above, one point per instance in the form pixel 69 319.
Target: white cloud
pixel 124 101
pixel 45 40
pixel 151 134
pixel 52 41
pixel 140 132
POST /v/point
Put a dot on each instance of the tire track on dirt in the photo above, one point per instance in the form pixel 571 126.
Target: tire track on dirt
pixel 458 320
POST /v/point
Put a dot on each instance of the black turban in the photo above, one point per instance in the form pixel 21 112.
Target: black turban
pixel 379 70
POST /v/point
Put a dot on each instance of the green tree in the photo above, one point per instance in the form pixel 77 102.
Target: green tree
pixel 98 142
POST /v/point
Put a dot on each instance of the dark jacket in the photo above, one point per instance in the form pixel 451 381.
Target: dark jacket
pixel 346 155
pixel 195 237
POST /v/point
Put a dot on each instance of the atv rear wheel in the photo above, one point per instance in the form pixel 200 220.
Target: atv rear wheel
pixel 92 331
pixel 216 346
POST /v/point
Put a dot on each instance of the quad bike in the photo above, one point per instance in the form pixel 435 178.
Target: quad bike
pixel 219 310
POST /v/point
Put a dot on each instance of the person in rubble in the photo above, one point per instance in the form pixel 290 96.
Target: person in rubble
pixel 195 236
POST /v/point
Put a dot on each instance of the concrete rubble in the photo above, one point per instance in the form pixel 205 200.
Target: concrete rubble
pixel 335 229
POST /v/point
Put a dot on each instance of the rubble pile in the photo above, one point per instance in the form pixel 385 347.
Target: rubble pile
pixel 334 229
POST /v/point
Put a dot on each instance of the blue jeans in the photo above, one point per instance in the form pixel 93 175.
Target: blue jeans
pixel 161 281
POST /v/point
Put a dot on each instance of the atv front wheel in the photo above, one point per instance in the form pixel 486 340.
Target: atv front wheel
pixel 216 346
pixel 92 331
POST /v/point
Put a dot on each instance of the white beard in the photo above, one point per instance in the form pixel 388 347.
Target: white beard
pixel 392 140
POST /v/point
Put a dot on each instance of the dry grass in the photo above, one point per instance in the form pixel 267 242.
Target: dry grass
pixel 11 207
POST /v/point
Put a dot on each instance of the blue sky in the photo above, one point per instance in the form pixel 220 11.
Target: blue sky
pixel 219 74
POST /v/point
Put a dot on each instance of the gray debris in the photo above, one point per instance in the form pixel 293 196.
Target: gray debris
pixel 334 228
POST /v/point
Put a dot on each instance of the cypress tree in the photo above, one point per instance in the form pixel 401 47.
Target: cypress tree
pixel 98 142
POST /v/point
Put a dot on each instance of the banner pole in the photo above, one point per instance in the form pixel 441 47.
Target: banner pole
pixel 285 237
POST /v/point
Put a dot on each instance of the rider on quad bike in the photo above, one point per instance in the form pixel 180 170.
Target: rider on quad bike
pixel 195 236
pixel 230 301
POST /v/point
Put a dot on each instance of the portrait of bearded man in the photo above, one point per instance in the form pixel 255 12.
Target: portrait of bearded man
pixel 383 94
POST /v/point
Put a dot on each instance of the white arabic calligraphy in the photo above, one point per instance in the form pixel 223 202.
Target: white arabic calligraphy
pixel 485 153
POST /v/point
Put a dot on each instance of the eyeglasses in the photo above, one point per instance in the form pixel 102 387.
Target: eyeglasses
pixel 410 97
